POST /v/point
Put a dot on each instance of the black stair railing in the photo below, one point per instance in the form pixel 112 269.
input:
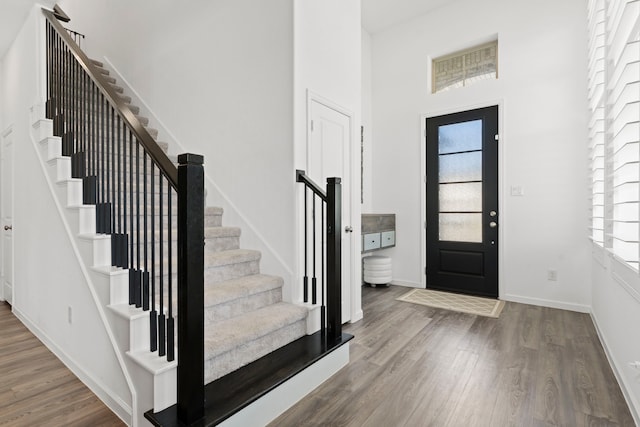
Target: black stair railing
pixel 140 197
pixel 323 246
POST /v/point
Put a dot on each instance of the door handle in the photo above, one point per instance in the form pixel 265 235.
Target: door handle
pixel 8 227
pixel 348 229
pixel 493 224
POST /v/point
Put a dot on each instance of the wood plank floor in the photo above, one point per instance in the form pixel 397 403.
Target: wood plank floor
pixel 413 365
pixel 36 389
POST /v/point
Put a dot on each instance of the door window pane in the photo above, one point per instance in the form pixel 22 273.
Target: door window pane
pixel 461 227
pixel 466 197
pixel 461 167
pixel 457 137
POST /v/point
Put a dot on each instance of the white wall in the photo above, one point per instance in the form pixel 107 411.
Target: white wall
pixel 47 274
pixel 327 61
pixel 218 75
pixel 367 122
pixel 542 97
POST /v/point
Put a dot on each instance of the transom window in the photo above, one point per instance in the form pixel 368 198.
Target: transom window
pixel 465 67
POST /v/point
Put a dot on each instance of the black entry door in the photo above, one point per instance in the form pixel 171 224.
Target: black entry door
pixel 462 202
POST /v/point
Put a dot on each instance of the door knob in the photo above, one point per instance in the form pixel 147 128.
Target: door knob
pixel 8 227
pixel 348 229
pixel 493 224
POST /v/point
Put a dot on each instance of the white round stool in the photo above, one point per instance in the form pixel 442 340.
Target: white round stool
pixel 377 270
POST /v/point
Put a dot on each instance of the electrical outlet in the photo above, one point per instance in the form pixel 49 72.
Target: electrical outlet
pixel 552 275
pixel 69 315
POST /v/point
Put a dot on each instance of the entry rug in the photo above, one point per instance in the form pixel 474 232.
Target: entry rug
pixel 456 302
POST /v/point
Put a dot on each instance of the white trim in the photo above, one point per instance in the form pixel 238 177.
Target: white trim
pixel 407 284
pixel 562 305
pixel 111 399
pixel 632 403
pixel 96 300
pixel 277 401
pixel 5 133
pixel 501 180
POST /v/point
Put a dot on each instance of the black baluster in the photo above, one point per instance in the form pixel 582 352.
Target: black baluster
pixel 153 314
pixel 145 275
pixel 305 280
pixel 314 290
pixel 161 317
pixel 138 274
pixel 170 321
pixel 133 290
pixel 47 104
pixel 323 312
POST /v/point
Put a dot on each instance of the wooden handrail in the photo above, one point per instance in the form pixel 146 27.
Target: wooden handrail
pixel 159 157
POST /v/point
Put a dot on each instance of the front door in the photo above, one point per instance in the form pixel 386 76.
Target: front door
pixel 329 150
pixel 6 209
pixel 462 202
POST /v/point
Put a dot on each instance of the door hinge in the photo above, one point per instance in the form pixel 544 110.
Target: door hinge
pixel 497 137
pixel 311 125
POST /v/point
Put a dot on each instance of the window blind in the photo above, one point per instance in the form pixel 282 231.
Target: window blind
pixel 596 82
pixel 614 133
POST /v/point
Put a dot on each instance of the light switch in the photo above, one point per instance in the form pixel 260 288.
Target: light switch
pixel 517 190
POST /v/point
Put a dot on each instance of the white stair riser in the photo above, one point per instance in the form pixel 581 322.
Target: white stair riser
pixel 98 251
pixel 52 146
pixel 61 168
pixel 43 128
pixel 82 218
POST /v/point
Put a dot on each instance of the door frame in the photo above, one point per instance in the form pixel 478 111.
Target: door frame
pixel 501 175
pixel 3 135
pixel 355 294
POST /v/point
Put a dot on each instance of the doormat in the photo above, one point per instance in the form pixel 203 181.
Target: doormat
pixel 456 302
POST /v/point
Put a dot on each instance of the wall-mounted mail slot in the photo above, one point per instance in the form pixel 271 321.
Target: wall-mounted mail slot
pixel 378 231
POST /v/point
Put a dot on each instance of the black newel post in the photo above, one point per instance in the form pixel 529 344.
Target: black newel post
pixel 334 257
pixel 190 288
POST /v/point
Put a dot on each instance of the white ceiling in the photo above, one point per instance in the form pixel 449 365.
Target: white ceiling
pixel 12 16
pixel 378 15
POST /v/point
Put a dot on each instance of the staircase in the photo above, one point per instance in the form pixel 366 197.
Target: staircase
pixel 246 321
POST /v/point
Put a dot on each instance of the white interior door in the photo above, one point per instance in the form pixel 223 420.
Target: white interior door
pixel 6 208
pixel 329 156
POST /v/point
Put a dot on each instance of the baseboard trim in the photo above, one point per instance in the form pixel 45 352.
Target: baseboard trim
pixel 633 405
pixel 118 406
pixel 580 308
pixel 406 284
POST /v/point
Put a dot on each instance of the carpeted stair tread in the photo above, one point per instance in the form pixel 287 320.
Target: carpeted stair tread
pixel 213 232
pixel 213 210
pixel 234 256
pixel 233 289
pixel 228 334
